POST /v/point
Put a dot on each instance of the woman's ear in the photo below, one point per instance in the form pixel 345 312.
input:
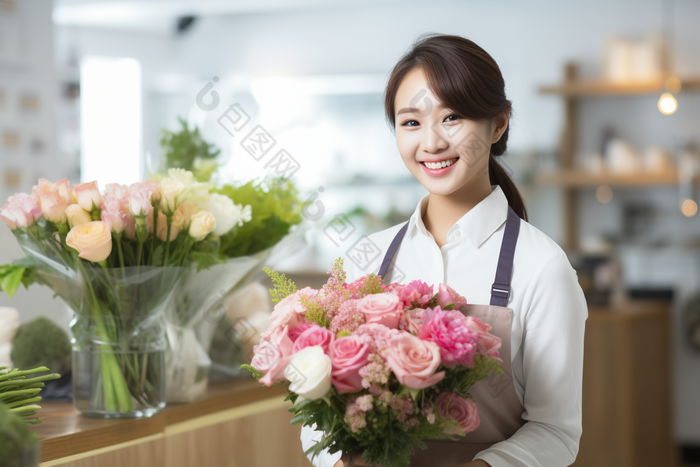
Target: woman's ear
pixel 500 124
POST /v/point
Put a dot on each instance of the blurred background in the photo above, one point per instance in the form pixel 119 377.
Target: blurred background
pixel 603 145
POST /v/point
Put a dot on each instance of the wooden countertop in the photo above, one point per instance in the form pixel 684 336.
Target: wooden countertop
pixel 65 431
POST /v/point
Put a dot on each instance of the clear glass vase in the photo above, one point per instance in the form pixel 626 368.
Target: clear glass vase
pixel 118 366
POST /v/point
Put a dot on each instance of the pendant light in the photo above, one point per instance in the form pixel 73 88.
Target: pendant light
pixel 667 102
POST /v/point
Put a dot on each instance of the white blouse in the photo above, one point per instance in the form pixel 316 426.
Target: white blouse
pixel 549 314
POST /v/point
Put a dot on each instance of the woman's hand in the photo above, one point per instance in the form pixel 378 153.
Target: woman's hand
pixel 345 460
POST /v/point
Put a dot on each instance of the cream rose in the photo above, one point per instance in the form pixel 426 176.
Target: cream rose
pixel 309 371
pixel 202 223
pixel 93 241
pixel 171 194
pixel 188 210
pixel 88 196
pixel 77 216
pixel 175 226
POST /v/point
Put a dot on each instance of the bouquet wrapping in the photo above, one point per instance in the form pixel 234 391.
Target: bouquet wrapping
pixel 377 367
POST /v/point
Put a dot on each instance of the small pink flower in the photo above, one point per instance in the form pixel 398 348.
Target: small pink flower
pixel 464 411
pixel 347 317
pixel 376 334
pixel 348 354
pixel 416 291
pixel 382 308
pixel 447 295
pixel 314 335
pixel 121 192
pixel 448 330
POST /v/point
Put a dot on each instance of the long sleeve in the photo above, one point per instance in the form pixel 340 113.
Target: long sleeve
pixel 309 437
pixel 552 372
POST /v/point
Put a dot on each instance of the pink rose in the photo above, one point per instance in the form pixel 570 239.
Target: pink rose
pixel 88 196
pixel 412 320
pixel 53 206
pixel 414 361
pixel 61 187
pixel 296 331
pixel 452 406
pixel 112 214
pixel 447 295
pixel 348 354
pixel 140 202
pixel 129 221
pixel 448 330
pixel 486 343
pixel 394 288
pixel 121 192
pixel 154 187
pixel 382 308
pixel 314 335
pixel 289 311
pixel 272 355
pixel 21 210
pixel 416 292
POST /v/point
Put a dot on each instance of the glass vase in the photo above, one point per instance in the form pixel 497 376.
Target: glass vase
pixel 118 365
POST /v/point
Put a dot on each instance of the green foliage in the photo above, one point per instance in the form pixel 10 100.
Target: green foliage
pixel 185 147
pixel 343 333
pixel 12 275
pixel 338 272
pixel 372 285
pixel 41 342
pixel 15 437
pixel 384 441
pixel 314 312
pixel 257 374
pixel 432 303
pixel 462 378
pixel 275 207
pixel 283 287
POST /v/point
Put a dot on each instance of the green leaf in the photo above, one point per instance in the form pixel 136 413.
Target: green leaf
pixel 11 278
pixel 157 259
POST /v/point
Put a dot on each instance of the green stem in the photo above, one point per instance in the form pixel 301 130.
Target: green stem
pixel 19 393
pixel 16 373
pixel 23 402
pixel 22 382
pixel 168 220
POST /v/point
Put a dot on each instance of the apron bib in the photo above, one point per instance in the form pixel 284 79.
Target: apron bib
pixel 500 410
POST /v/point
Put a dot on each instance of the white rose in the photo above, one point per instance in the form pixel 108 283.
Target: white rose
pixel 226 213
pixel 309 372
pixel 77 215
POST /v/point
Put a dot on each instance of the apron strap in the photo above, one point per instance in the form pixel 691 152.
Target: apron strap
pixel 500 290
pixel 392 251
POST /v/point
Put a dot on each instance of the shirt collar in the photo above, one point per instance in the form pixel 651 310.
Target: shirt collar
pixel 478 224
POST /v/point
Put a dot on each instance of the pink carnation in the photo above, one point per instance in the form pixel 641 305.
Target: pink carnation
pixel 416 291
pixel 448 330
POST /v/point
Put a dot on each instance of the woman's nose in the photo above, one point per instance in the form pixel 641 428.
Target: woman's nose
pixel 433 140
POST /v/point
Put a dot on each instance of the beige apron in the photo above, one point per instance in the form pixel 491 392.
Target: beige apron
pixel 500 410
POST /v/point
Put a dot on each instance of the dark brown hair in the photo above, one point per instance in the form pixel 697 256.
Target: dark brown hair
pixel 465 78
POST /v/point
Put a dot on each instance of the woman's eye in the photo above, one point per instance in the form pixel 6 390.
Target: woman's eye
pixel 452 115
pixel 406 123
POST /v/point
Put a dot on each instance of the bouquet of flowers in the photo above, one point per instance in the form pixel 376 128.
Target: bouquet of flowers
pixel 116 259
pixel 377 367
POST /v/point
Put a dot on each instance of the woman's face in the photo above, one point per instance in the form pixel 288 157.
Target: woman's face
pixel 444 151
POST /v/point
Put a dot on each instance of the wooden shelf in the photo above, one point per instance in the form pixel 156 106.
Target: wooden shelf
pixel 66 432
pixel 581 179
pixel 596 88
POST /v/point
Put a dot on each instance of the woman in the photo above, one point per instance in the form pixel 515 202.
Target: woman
pixel 446 103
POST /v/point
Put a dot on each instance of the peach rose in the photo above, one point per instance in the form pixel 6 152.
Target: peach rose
pixel 93 241
pixel 414 361
pixel 486 343
pixel 188 210
pixel 77 215
pixel 162 228
pixel 88 196
pixel 382 308
pixel 272 355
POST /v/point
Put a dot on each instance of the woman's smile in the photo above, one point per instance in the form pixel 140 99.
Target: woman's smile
pixel 438 167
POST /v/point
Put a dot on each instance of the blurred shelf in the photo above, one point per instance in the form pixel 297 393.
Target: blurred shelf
pixel 581 179
pixel 594 88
